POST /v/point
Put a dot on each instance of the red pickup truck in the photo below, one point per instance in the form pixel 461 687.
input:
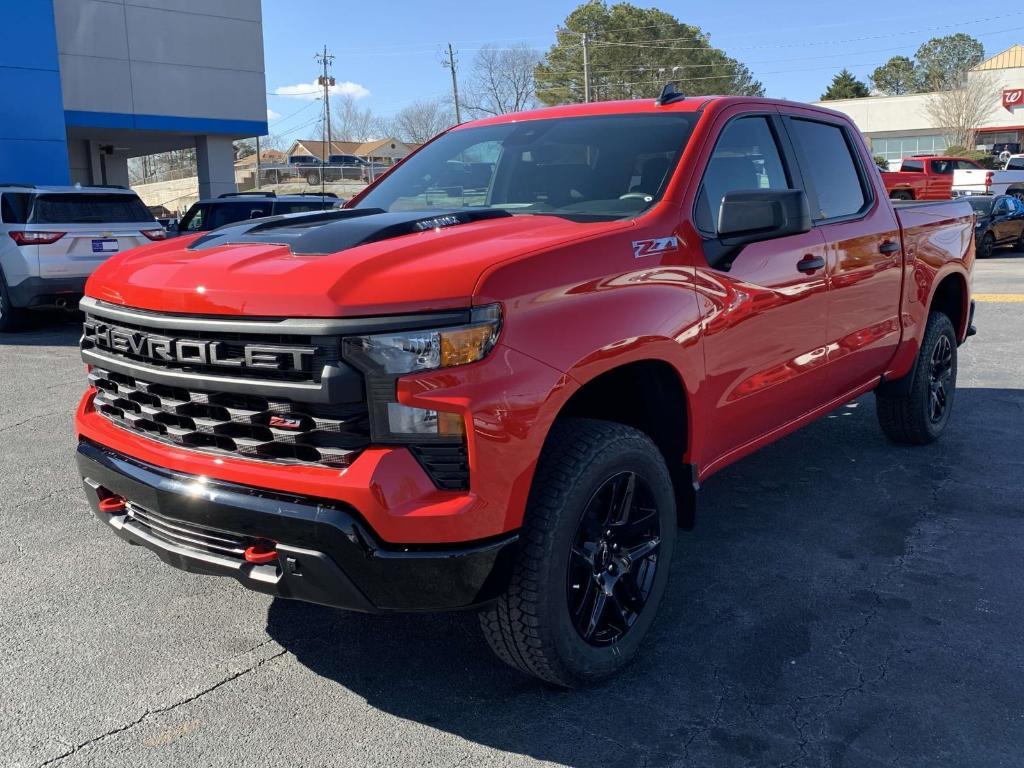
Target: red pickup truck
pixel 925 178
pixel 505 395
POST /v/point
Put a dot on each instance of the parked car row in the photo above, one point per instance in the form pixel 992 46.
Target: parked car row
pixel 53 238
pixel 939 177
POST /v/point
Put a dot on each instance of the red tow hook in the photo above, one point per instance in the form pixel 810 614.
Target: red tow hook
pixel 261 554
pixel 113 505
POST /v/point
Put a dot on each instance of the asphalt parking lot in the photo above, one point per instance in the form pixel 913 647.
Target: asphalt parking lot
pixel 842 602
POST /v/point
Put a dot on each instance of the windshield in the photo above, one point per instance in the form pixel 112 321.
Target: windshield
pixel 585 168
pixel 981 205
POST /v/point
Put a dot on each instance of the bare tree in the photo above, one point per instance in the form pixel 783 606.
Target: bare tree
pixel 421 121
pixel 350 123
pixel 502 81
pixel 959 111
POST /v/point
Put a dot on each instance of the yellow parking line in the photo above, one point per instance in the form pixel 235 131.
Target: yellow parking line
pixel 999 297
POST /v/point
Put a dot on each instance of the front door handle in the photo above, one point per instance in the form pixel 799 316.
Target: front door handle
pixel 888 247
pixel 810 263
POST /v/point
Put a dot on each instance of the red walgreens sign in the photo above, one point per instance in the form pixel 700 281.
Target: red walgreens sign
pixel 1013 97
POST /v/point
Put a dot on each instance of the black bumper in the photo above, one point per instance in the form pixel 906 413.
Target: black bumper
pixel 46 291
pixel 325 553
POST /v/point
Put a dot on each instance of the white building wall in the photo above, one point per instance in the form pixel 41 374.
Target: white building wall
pixel 908 115
pixel 180 58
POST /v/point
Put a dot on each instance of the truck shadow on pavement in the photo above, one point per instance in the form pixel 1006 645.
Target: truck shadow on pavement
pixel 842 601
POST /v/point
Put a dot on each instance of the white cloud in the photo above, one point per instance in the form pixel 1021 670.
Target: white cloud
pixel 272 115
pixel 312 90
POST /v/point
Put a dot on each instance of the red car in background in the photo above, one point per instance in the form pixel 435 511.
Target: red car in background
pixel 925 178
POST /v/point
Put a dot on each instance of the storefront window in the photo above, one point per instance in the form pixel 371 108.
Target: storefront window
pixel 895 148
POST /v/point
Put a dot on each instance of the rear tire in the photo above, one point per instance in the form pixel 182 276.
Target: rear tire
pixel 920 416
pixel 313 178
pixel 580 602
pixel 11 317
pixel 901 194
pixel 986 247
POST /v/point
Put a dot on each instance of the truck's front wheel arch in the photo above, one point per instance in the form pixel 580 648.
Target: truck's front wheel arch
pixel 649 396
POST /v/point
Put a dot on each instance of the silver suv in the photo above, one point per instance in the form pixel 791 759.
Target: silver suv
pixel 52 238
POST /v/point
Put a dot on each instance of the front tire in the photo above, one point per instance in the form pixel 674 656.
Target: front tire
pixel 920 416
pixel 596 547
pixel 313 178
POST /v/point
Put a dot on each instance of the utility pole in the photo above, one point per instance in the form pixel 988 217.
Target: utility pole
pixel 450 64
pixel 327 82
pixel 586 71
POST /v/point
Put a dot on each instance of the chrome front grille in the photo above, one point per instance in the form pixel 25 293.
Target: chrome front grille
pixel 250 426
pixel 188 535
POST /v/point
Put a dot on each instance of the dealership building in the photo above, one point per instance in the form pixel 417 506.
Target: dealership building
pixel 899 126
pixel 87 84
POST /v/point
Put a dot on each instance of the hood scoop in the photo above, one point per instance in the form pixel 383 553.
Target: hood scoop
pixel 308 234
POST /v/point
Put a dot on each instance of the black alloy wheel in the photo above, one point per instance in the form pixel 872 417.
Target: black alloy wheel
pixel 941 373
pixel 613 560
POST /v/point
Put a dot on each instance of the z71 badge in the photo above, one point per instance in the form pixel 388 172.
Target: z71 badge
pixel 655 246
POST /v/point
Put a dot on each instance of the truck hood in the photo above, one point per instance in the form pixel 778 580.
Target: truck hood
pixel 401 271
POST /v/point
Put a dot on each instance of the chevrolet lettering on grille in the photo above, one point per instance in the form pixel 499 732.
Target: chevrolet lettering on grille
pixel 196 351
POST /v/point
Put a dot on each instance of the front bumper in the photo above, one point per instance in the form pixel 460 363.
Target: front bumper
pixel 325 553
pixel 45 291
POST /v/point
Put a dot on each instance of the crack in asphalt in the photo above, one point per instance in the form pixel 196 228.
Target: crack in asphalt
pixel 162 710
pixel 46 497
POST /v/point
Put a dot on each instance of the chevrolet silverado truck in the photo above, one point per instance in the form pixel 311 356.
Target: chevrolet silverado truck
pixel 504 397
pixel 918 179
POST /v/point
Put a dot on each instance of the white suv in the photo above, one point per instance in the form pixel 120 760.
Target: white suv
pixel 52 238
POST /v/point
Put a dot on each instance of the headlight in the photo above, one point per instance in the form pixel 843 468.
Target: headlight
pixel 384 357
pixel 400 353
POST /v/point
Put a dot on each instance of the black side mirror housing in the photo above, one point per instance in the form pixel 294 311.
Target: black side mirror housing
pixel 749 216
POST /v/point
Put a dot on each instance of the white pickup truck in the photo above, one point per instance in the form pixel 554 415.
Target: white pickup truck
pixel 969 178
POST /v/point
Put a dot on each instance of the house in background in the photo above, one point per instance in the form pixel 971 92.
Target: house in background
pixel 383 151
pixel 267 157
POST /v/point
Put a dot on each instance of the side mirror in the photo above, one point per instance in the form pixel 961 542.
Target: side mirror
pixel 749 216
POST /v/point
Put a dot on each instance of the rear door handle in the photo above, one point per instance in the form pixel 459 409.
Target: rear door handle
pixel 810 263
pixel 888 247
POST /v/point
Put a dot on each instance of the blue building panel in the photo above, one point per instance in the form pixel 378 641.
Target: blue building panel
pixel 165 123
pixel 29 35
pixel 33 142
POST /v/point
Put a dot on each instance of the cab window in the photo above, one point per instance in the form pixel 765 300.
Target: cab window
pixel 746 157
pixel 830 168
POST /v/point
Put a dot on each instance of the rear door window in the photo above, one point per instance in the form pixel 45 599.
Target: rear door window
pixel 72 208
pixel 830 168
pixel 230 213
pixel 912 166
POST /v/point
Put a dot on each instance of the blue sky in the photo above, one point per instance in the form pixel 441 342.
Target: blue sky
pixel 388 54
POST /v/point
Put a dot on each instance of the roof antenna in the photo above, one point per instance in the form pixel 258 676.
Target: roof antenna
pixel 669 95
